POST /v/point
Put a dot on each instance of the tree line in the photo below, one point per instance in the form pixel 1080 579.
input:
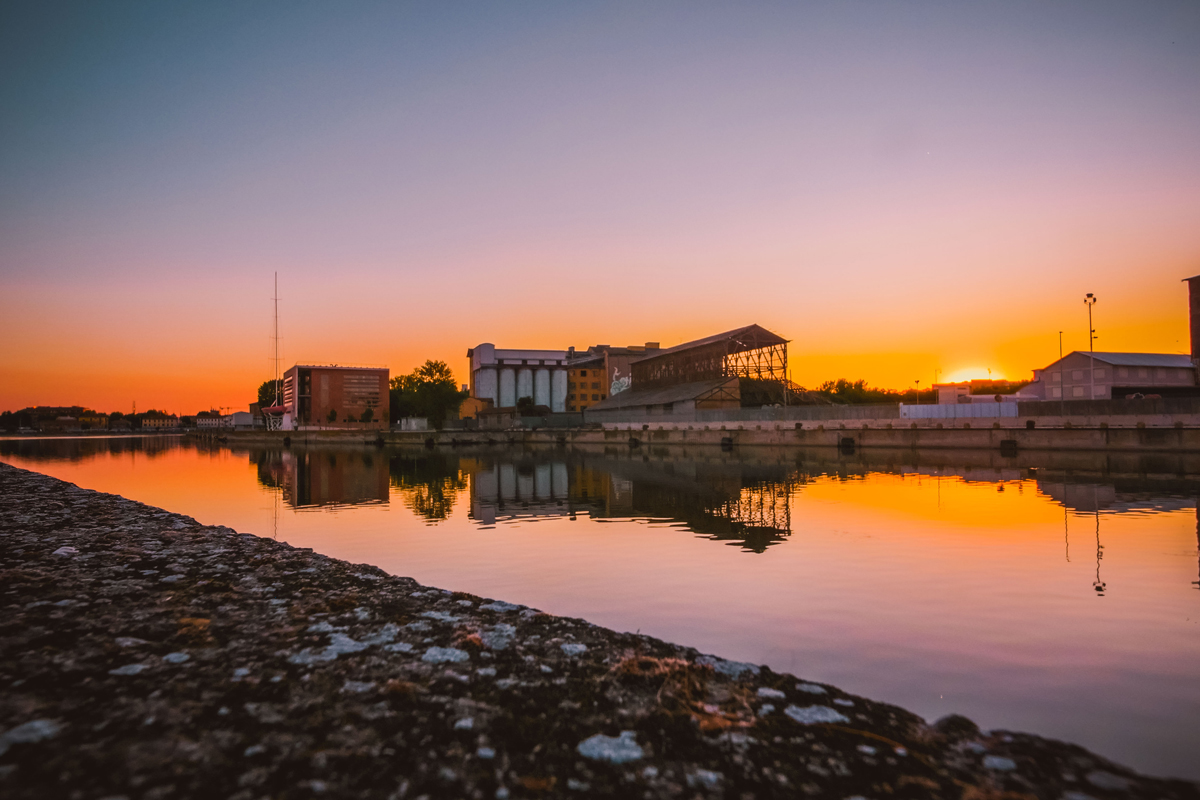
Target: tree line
pixel 847 392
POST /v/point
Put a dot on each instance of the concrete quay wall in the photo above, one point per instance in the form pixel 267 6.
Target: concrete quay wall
pixel 862 435
pixel 867 436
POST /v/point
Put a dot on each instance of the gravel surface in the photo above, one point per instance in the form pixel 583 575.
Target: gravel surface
pixel 144 655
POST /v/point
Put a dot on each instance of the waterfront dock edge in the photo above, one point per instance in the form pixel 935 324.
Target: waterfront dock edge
pixel 147 655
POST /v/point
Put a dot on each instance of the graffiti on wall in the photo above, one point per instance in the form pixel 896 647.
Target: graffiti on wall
pixel 619 384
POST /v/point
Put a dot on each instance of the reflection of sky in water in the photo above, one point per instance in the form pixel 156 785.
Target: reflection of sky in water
pixel 1042 595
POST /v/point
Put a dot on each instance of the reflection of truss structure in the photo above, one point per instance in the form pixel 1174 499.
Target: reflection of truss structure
pixel 760 515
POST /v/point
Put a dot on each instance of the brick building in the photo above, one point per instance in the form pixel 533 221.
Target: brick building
pixel 330 396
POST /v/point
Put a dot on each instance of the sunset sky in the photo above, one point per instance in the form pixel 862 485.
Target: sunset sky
pixel 895 187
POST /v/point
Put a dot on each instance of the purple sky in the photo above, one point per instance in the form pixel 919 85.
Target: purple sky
pixel 897 187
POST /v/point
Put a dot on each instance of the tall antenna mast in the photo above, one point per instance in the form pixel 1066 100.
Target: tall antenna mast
pixel 275 338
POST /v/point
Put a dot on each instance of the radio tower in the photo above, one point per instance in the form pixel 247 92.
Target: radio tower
pixel 275 338
pixel 273 418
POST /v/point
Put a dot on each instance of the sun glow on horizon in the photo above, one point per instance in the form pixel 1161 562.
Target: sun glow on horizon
pixel 972 374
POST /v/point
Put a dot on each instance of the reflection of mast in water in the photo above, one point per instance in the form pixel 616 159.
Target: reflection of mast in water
pixel 1196 582
pixel 1066 533
pixel 277 496
pixel 1098 584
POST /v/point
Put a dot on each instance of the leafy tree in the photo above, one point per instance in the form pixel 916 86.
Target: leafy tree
pixel 525 405
pixel 367 415
pixel 435 372
pixel 13 420
pixel 429 485
pixel 332 415
pixel 267 392
pixel 428 391
pixel 859 393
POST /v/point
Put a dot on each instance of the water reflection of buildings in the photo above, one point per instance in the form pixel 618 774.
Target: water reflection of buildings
pixel 512 490
pixel 1089 499
pixel 324 478
pixel 85 448
pixel 1090 496
pixel 745 500
pixel 723 501
pixel 427 483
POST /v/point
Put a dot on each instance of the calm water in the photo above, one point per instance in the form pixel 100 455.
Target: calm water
pixel 1053 594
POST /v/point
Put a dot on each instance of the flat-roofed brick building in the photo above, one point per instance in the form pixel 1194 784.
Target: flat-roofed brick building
pixel 331 396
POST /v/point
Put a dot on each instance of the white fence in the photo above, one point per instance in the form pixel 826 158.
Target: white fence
pixel 958 411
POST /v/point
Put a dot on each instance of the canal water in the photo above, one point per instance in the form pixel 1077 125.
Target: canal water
pixel 1058 595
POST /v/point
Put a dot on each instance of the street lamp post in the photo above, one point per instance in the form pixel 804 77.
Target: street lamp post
pixel 1089 301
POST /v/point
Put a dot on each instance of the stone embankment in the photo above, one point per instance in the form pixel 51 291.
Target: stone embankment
pixel 854 435
pixel 144 655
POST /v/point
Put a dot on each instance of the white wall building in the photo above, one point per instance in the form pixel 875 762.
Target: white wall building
pixel 238 419
pixel 1114 375
pixel 208 420
pixel 505 376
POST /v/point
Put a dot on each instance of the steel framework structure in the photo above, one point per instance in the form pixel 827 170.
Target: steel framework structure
pixel 751 352
pixel 761 514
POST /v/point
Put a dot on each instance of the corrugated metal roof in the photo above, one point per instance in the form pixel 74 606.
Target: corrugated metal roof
pixel 1142 359
pixel 764 337
pixel 653 397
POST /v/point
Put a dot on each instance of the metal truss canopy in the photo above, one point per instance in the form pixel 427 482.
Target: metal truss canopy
pixel 752 352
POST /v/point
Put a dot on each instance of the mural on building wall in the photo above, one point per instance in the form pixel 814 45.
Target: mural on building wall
pixel 619 384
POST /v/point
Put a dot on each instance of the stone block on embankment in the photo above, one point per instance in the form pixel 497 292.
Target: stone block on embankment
pixel 145 655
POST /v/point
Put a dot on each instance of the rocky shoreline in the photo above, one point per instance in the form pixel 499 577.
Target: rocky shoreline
pixel 144 655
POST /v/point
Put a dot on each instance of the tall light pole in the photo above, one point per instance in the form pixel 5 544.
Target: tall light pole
pixel 1062 388
pixel 1090 300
